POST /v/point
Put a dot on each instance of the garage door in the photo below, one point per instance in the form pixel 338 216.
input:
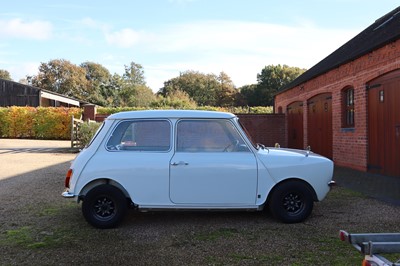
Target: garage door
pixel 295 125
pixel 384 124
pixel 319 124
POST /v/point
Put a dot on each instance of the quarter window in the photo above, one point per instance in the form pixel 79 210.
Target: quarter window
pixel 208 136
pixel 145 135
pixel 348 106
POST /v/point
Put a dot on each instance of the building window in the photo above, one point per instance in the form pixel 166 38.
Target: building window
pixel 348 107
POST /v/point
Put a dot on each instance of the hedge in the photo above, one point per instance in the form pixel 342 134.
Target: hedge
pixel 37 122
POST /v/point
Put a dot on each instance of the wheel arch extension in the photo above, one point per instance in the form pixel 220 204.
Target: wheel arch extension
pixel 102 181
pixel 309 187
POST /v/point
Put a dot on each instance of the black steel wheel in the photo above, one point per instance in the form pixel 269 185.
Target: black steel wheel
pixel 291 202
pixel 104 206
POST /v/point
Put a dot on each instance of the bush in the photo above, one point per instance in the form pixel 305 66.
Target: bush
pixel 86 132
pixel 37 123
pixel 235 110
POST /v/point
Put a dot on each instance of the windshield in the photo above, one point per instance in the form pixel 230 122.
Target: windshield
pixel 248 134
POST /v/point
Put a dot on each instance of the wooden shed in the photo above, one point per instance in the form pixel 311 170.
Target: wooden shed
pixel 17 94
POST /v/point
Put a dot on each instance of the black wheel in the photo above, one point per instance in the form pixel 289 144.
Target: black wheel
pixel 104 206
pixel 291 202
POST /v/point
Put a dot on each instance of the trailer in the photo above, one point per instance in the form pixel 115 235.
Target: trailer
pixel 372 245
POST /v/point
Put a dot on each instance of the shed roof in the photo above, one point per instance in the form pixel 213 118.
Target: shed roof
pixel 383 31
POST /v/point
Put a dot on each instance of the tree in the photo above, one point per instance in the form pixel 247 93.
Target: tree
pixel 202 88
pixel 99 82
pixel 227 93
pixel 177 99
pixel 248 95
pixel 133 90
pixel 271 79
pixel 134 74
pixel 61 76
pixel 4 74
pixel 116 84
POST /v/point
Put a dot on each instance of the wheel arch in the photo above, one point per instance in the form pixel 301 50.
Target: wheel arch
pixel 294 179
pixel 102 181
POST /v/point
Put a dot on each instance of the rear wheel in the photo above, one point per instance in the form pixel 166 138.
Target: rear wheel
pixel 104 206
pixel 291 202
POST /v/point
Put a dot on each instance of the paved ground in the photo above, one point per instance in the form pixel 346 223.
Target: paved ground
pixel 19 157
pixel 381 187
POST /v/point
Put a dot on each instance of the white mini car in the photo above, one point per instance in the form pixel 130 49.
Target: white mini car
pixel 191 160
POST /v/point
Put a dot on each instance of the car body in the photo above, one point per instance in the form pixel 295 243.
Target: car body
pixel 191 160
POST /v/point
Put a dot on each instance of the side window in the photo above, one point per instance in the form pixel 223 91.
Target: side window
pixel 142 135
pixel 348 108
pixel 208 136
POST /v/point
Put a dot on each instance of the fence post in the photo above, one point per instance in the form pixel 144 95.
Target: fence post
pixel 72 131
pixel 75 126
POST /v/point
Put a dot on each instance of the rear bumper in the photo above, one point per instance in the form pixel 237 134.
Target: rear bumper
pixel 332 183
pixel 67 194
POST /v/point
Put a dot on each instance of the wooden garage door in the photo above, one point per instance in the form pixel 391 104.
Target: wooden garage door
pixel 319 124
pixel 384 124
pixel 295 125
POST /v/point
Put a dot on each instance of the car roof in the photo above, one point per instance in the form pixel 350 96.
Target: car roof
pixel 170 114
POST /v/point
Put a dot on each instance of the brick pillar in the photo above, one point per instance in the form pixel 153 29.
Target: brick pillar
pixel 89 112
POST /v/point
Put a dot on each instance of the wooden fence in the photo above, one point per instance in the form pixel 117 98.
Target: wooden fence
pixel 75 126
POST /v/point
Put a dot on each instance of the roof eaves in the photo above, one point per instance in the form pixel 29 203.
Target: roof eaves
pixel 326 65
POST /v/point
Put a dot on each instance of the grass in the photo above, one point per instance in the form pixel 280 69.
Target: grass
pixel 216 234
pixel 58 229
pixel 27 237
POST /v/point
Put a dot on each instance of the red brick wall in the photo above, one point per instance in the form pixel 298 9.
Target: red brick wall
pixel 267 129
pixel 89 112
pixel 350 148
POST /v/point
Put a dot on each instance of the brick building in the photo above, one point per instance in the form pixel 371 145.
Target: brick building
pixel 347 107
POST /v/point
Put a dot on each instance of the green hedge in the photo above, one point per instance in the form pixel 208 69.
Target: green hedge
pixel 235 110
pixel 86 132
pixel 37 123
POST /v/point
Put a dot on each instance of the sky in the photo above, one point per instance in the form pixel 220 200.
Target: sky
pixel 167 37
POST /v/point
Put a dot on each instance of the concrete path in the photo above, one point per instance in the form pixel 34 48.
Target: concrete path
pixel 18 156
pixel 385 188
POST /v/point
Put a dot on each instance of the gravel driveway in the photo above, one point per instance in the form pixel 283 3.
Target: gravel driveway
pixel 39 227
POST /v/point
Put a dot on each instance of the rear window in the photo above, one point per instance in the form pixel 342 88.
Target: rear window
pixel 141 135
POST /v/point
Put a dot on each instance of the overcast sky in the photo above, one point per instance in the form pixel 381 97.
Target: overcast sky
pixel 167 37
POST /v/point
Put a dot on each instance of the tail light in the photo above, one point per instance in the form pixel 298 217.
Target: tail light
pixel 344 236
pixel 67 178
pixel 369 263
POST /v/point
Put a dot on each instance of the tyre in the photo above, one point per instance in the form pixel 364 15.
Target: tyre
pixel 291 202
pixel 104 206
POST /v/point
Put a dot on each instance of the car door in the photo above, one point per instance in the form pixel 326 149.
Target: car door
pixel 137 157
pixel 212 165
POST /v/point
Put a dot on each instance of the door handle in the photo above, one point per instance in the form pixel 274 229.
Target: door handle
pixel 179 163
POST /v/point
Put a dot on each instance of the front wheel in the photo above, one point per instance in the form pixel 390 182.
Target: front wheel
pixel 104 206
pixel 291 202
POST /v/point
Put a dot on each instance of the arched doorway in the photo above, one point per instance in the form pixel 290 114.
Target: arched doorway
pixel 384 124
pixel 319 126
pixel 295 125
